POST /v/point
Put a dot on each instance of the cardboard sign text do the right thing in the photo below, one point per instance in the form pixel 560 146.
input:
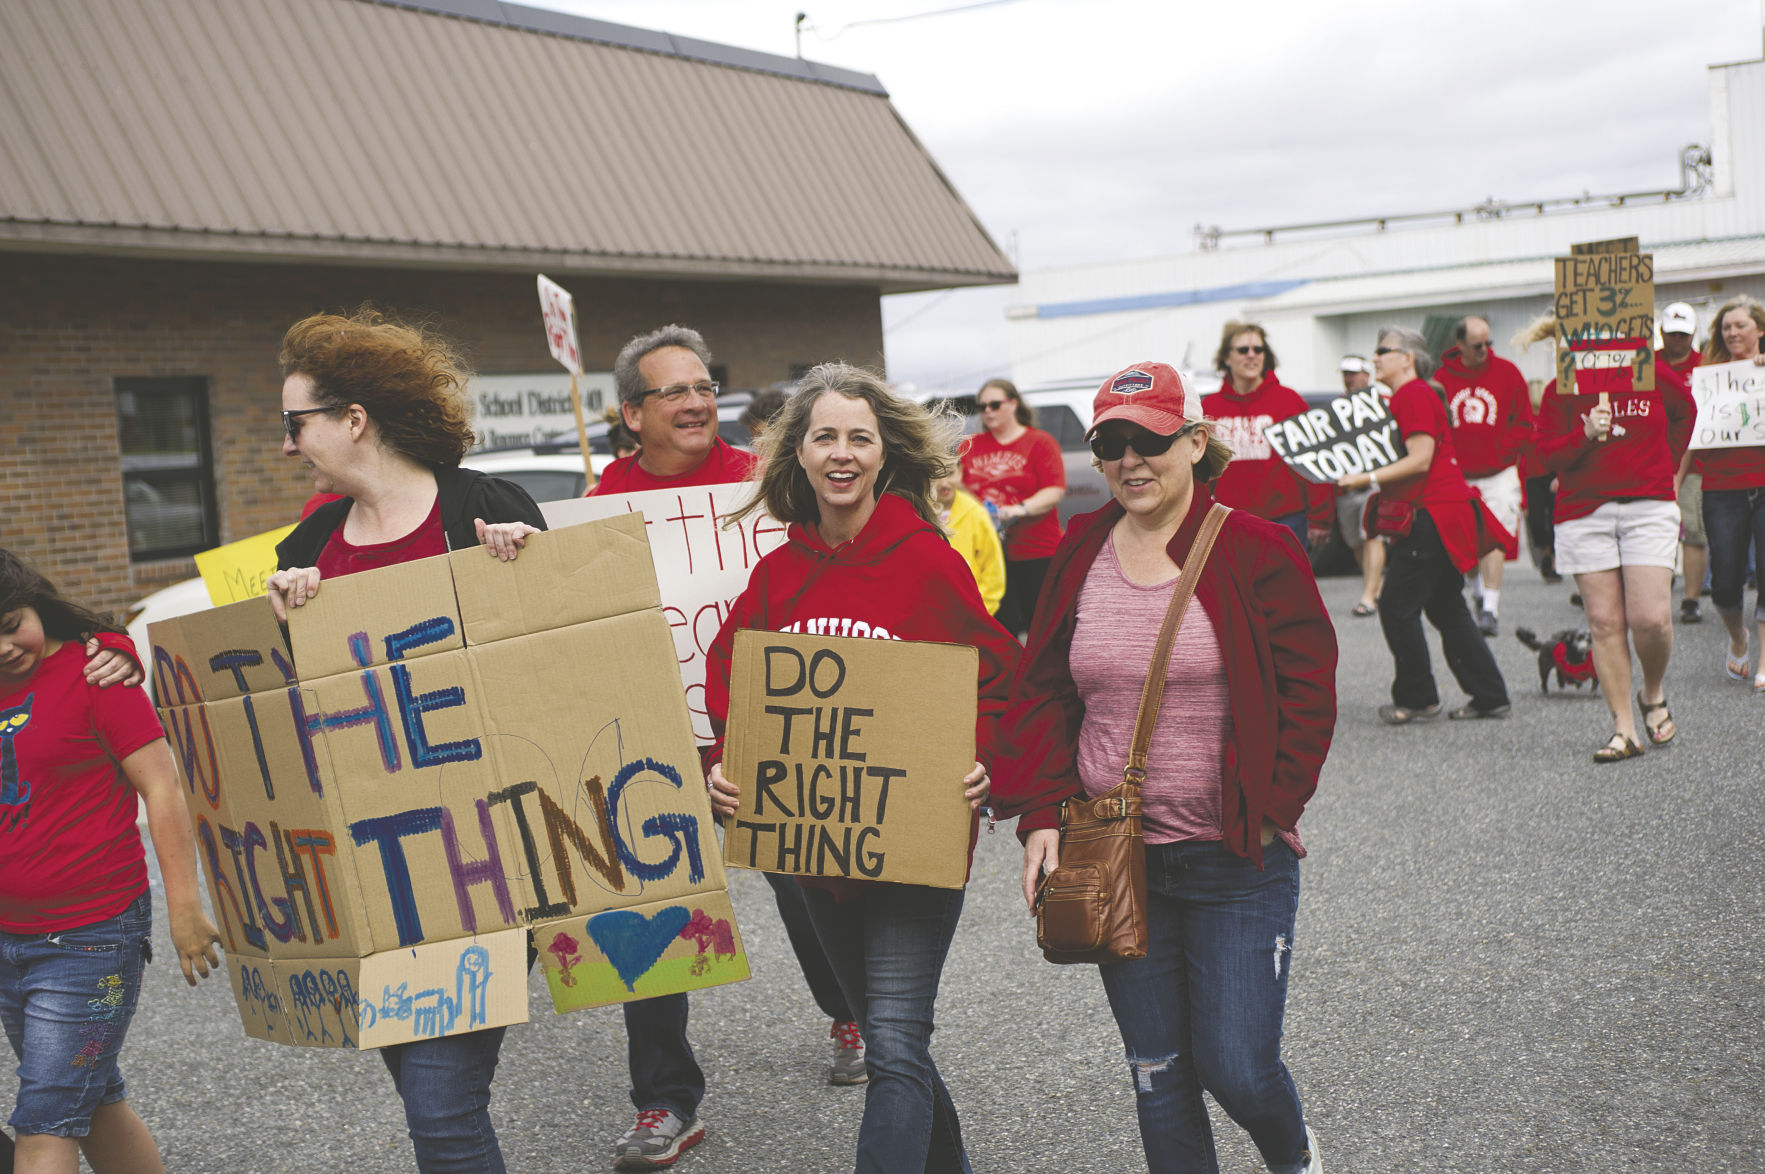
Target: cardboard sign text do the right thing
pixel 850 753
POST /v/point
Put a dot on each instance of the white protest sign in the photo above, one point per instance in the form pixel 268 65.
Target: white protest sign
pixel 701 566
pixel 1731 405
pixel 1355 434
pixel 559 309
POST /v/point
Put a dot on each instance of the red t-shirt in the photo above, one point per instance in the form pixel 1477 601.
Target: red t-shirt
pixel 1636 461
pixel 1006 474
pixel 723 465
pixel 1258 480
pixel 344 558
pixel 1442 490
pixel 1686 365
pixel 1491 412
pixel 69 850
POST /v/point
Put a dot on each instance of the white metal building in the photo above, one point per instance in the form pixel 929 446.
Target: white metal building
pixel 1322 290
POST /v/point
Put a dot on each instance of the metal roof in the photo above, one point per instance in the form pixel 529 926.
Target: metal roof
pixel 461 134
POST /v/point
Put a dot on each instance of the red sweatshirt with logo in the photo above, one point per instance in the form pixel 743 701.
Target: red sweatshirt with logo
pixel 1258 480
pixel 899 579
pixel 1636 461
pixel 1491 412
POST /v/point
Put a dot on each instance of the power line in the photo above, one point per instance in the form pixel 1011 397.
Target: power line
pixel 897 19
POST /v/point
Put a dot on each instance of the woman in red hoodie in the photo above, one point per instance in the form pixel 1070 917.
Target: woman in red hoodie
pixel 850 467
pixel 1617 528
pixel 1249 400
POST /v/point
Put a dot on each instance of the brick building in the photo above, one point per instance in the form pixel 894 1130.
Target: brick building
pixel 185 178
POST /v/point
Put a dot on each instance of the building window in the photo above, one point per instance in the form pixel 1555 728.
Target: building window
pixel 168 471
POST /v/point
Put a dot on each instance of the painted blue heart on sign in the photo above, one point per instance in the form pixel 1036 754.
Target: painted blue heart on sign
pixel 633 942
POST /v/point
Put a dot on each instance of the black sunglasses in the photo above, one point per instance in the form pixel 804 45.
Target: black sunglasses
pixel 1249 350
pixel 1112 446
pixel 292 422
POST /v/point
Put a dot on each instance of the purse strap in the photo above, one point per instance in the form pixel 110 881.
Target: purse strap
pixel 1152 696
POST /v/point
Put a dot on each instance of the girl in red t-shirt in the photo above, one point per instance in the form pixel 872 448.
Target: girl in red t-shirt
pixel 1017 469
pixel 75 914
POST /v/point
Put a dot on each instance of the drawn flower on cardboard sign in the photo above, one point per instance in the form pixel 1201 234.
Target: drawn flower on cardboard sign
pixel 711 936
pixel 568 951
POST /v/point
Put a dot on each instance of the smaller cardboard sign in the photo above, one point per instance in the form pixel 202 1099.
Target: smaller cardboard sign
pixel 1731 405
pixel 1622 244
pixel 850 754
pixel 1605 300
pixel 559 311
pixel 239 570
pixel 1355 434
pixel 621 955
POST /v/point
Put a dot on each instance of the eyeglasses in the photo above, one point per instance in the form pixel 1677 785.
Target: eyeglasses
pixel 675 392
pixel 1112 446
pixel 1389 350
pixel 991 405
pixel 1249 350
pixel 1476 346
pixel 292 422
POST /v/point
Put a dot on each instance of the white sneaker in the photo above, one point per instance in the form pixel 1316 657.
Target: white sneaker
pixel 1314 1162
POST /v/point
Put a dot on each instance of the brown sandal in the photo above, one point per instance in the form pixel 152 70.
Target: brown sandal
pixel 1654 732
pixel 1617 749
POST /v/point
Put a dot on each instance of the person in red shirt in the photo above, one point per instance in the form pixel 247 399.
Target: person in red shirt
pixel 1679 328
pixel 1490 406
pixel 1617 529
pixel 76 916
pixel 668 399
pixel 850 468
pixel 1734 497
pixel 1017 469
pixel 1438 530
pixel 1249 400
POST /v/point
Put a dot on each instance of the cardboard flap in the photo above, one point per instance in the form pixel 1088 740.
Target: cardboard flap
pixel 223 652
pixel 376 617
pixel 850 754
pixel 569 576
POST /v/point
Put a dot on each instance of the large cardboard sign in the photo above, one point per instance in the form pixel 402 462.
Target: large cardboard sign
pixel 850 754
pixel 440 755
pixel 239 569
pixel 1731 405
pixel 702 563
pixel 1356 434
pixel 1605 308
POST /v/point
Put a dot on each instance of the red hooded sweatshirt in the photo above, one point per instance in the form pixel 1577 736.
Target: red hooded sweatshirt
pixel 899 579
pixel 1257 480
pixel 1491 412
pixel 1650 430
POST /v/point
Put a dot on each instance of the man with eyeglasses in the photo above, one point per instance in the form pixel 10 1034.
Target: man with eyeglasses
pixel 1490 406
pixel 669 401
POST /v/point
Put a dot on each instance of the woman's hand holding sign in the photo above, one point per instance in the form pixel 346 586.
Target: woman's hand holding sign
pixel 291 588
pixel 725 795
pixel 976 786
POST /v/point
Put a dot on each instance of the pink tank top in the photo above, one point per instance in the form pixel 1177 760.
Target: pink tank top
pixel 1116 626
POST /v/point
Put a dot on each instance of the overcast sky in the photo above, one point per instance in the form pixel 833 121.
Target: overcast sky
pixel 1084 131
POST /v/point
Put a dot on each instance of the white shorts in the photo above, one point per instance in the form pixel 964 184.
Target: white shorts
pixel 1501 493
pixel 1619 534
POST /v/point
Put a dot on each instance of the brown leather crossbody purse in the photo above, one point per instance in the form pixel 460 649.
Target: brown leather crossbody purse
pixel 1092 908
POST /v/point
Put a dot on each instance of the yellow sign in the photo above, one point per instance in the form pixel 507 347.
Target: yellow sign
pixel 238 570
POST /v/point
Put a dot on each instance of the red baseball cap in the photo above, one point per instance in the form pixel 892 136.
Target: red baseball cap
pixel 1153 395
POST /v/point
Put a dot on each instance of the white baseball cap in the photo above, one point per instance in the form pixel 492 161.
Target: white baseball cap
pixel 1357 364
pixel 1679 318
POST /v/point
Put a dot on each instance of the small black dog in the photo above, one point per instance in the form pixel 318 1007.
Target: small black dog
pixel 1568 654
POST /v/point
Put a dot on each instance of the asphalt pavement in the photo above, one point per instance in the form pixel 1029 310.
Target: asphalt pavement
pixel 1507 959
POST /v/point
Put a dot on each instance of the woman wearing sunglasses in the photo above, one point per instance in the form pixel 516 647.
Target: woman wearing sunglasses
pixel 1241 734
pixel 1018 470
pixel 377 411
pixel 1251 398
pixel 1438 529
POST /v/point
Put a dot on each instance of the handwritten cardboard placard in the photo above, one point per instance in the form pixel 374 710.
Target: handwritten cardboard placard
pixel 1731 405
pixel 1354 434
pixel 440 755
pixel 239 569
pixel 702 563
pixel 558 310
pixel 850 754
pixel 1604 302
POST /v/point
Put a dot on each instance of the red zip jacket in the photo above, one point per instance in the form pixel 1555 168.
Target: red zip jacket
pixel 1280 650
pixel 1491 412
pixel 898 579
pixel 1257 480
pixel 1650 430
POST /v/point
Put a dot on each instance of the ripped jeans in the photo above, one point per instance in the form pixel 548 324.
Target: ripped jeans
pixel 1203 1009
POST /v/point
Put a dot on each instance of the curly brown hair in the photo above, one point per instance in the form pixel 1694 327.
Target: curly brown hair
pixel 410 380
pixel 919 446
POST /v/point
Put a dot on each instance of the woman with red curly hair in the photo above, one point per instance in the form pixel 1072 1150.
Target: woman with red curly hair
pixel 376 411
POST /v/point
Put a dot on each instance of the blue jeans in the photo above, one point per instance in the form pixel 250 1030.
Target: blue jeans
pixel 1298 522
pixel 888 947
pixel 66 999
pixel 1203 1009
pixel 664 1072
pixel 1733 518
pixel 445 1086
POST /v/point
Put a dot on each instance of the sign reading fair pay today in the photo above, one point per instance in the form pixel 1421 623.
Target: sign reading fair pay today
pixel 1355 434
